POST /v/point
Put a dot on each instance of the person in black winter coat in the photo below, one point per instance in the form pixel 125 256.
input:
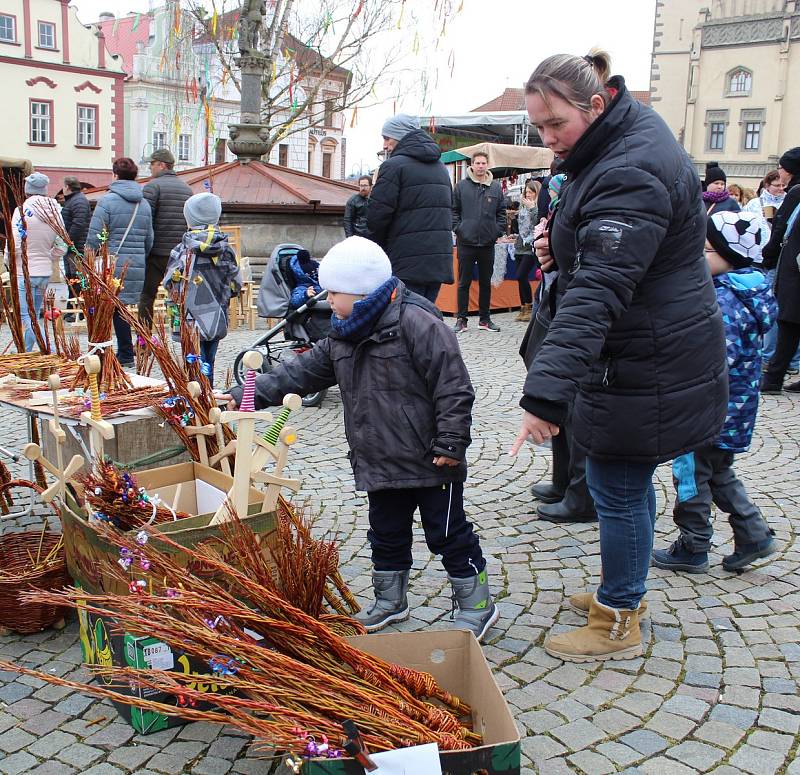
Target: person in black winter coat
pixel 716 196
pixel 784 252
pixel 479 218
pixel 407 401
pixel 77 213
pixel 637 342
pixel 410 208
pixel 166 194
pixel 355 211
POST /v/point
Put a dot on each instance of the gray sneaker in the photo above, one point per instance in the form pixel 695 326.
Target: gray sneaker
pixel 473 607
pixel 391 603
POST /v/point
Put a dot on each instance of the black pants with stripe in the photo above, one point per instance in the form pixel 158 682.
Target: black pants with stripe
pixel 447 530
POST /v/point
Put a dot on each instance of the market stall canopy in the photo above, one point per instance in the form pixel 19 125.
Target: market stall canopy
pixel 517 158
pixel 504 126
pixel 23 165
pixel 260 187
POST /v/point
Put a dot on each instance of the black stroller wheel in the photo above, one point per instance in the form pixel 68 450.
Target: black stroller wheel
pixel 314 399
pixel 239 371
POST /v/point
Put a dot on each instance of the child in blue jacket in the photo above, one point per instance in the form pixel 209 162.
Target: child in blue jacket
pixel 305 271
pixel 705 475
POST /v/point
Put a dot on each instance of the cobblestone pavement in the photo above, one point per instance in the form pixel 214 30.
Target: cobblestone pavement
pixel 717 689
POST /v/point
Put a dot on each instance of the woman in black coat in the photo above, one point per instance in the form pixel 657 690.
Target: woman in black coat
pixel 637 341
pixel 783 252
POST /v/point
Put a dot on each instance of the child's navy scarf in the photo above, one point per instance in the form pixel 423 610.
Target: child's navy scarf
pixel 365 313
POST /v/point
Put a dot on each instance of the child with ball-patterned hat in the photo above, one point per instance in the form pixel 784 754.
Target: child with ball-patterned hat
pixel 706 475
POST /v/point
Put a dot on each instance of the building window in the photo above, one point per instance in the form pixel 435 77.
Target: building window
pixel 87 125
pixel 47 35
pixel 184 146
pixel 752 135
pixel 8 28
pixel 310 160
pixel 740 82
pixel 283 155
pixel 716 136
pixel 327 164
pixel 329 104
pixel 159 140
pixel 41 122
pixel 219 151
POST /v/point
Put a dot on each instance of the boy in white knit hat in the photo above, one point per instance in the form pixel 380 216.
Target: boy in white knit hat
pixel 407 410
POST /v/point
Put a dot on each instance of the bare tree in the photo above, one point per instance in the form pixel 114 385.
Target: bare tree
pixel 307 43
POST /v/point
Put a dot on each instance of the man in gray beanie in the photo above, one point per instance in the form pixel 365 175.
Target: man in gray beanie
pixel 409 212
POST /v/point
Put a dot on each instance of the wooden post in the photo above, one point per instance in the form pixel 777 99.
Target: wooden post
pixel 223 450
pixel 196 429
pixel 99 429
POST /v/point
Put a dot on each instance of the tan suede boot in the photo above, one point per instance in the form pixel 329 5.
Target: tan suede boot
pixel 524 314
pixel 581 601
pixel 610 634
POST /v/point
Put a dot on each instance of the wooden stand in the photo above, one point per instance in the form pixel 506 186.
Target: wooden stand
pixel 99 429
pixel 201 431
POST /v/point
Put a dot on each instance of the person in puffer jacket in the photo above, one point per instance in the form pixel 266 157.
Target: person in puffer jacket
pixel 305 272
pixel 213 276
pixel 705 475
pixel 407 401
pixel 43 245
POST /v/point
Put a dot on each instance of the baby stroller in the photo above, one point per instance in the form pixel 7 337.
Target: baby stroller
pixel 300 327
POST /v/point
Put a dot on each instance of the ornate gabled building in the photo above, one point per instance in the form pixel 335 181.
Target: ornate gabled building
pixel 63 92
pixel 722 75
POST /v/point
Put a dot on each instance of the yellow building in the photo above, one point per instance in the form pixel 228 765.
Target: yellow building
pixel 62 92
pixel 721 78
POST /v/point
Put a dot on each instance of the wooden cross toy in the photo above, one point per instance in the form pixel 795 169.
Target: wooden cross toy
pixel 224 450
pixel 196 429
pixel 34 452
pixel 245 418
pixel 99 429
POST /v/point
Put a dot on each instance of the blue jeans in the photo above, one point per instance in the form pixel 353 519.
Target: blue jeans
pixel 208 351
pixel 38 289
pixel 771 337
pixel 625 500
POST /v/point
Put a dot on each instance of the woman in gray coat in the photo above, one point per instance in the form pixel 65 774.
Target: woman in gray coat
pixel 124 215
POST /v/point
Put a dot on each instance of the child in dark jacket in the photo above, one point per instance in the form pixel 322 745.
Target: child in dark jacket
pixel 213 275
pixel 705 475
pixel 407 411
pixel 305 271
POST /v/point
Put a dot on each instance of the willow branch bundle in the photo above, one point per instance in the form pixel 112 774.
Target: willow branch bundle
pixel 97 303
pixel 115 403
pixel 295 671
pixel 116 495
pixel 67 347
pixel 12 309
pixel 175 373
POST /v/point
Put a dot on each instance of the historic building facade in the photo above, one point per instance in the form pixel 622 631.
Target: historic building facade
pixel 63 92
pixel 721 77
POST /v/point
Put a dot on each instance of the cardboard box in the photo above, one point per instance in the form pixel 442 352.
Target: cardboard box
pixel 188 487
pixel 103 643
pixel 456 661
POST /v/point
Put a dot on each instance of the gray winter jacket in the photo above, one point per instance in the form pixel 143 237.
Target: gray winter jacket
pixel 406 392
pixel 167 194
pixel 113 213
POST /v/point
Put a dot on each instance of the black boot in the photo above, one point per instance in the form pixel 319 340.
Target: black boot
pixel 547 493
pixel 566 511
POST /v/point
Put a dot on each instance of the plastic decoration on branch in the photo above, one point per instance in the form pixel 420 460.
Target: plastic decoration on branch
pixel 114 496
pixel 97 306
pixel 283 674
pixel 177 411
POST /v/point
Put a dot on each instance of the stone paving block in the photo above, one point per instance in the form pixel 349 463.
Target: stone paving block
pixel 698 755
pixel 682 705
pixel 568 676
pixel 131 757
pixel 14 739
pixel 780 720
pixel 592 763
pixel 670 725
pixel 730 714
pixel 620 754
pixel 210 765
pixel 724 735
pixel 771 741
pixel 644 741
pixel 103 769
pixel 12 692
pixel 73 705
pixel 200 730
pixel 16 763
pixel 111 737
pixel 226 747
pixel 79 755
pixel 615 722
pixel 165 763
pixel 52 767
pixel 757 761
pixel 50 744
pixel 45 722
pixel 578 734
pixel 27 708
pixel 663 766
pixel 542 747
pixel 539 721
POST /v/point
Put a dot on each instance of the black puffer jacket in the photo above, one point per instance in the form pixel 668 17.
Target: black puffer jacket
pixel 479 211
pixel 637 333
pixel 406 392
pixel 167 194
pixel 77 214
pixel 410 211
pixel 787 282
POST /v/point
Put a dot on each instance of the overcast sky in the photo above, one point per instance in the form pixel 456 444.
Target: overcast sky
pixel 494 44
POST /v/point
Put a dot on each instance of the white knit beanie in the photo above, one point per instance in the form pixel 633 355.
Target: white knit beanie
pixel 355 265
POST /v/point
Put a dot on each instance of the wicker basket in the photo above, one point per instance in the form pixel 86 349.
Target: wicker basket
pixel 36 373
pixel 17 552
